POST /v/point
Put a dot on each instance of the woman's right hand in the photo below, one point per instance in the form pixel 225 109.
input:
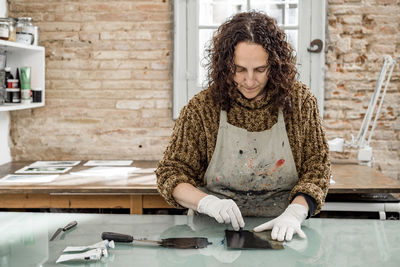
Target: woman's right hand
pixel 223 210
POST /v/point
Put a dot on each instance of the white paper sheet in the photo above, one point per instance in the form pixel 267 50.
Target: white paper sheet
pixel 148 179
pixel 43 169
pixel 108 163
pixel 63 163
pixel 20 178
pixel 106 171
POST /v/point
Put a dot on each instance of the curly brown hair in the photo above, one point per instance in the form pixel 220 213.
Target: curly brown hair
pixel 253 27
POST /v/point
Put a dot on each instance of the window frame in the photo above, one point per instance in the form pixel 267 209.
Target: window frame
pixel 312 15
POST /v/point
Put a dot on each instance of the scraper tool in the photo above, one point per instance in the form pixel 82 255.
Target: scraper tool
pixel 179 242
pixel 65 228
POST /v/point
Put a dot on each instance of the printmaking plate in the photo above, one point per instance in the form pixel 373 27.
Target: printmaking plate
pixel 244 239
pixel 54 163
pixel 43 169
pixel 108 163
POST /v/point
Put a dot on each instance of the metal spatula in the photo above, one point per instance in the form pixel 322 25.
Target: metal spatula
pixel 179 242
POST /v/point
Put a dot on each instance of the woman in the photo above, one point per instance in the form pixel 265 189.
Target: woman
pixel 252 143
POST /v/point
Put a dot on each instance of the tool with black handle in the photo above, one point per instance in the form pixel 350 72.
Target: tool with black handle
pixel 65 228
pixel 179 242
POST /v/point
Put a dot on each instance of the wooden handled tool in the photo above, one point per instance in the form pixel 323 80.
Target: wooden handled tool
pixel 179 242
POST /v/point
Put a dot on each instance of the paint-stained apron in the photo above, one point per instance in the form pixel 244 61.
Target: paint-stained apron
pixel 255 169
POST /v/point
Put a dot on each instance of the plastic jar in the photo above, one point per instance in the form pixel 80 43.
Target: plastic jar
pixel 13 95
pixel 8 76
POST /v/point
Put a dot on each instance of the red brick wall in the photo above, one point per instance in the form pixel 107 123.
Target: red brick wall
pixel 109 79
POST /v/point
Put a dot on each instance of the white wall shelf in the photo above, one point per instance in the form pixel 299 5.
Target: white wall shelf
pixel 14 46
pixel 19 106
pixel 20 55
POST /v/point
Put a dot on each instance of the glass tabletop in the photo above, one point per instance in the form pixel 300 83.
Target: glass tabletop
pixel 24 241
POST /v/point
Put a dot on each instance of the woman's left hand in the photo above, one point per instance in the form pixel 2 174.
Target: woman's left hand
pixel 285 225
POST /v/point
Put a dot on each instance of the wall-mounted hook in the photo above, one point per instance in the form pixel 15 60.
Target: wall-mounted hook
pixel 315 46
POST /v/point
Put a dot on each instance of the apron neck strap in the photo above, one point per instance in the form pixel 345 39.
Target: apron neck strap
pixel 223 117
pixel 280 115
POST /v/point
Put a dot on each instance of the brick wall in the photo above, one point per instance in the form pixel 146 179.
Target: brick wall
pixel 359 34
pixel 109 79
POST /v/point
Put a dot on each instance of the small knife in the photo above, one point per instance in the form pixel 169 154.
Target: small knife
pixel 67 227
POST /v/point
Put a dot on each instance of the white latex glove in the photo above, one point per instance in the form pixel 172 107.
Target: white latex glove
pixel 223 210
pixel 286 224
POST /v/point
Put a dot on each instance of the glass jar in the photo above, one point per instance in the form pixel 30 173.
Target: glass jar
pixel 12 23
pixel 25 30
pixel 4 30
pixel 12 27
pixel 23 22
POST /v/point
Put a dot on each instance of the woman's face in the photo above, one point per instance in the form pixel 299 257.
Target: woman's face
pixel 251 75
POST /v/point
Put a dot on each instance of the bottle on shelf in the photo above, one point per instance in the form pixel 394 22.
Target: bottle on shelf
pixel 9 76
pixel 17 96
pixel 25 85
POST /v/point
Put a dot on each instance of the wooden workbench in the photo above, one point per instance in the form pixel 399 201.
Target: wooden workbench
pixel 352 178
pixel 75 192
pixel 68 191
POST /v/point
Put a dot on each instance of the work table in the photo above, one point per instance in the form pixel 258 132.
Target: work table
pixel 330 242
pixel 67 183
pixel 349 178
pixel 353 178
pixel 68 191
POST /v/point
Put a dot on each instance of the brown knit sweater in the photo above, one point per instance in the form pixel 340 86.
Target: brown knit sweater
pixel 195 134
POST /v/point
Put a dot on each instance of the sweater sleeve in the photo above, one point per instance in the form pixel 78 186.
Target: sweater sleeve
pixel 184 160
pixel 314 170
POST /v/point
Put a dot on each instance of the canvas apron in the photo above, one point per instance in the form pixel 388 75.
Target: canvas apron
pixel 255 169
